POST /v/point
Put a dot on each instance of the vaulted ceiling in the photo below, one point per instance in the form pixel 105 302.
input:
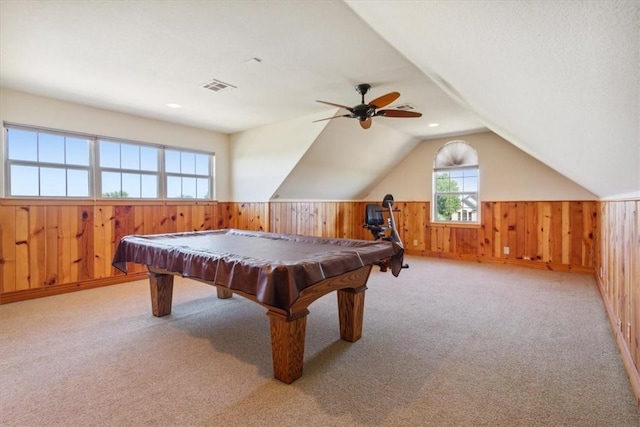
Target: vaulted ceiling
pixel 558 80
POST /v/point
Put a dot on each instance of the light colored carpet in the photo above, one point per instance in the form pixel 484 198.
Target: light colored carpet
pixel 444 344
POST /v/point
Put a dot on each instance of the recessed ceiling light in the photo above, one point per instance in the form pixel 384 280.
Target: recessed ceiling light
pixel 433 125
pixel 171 105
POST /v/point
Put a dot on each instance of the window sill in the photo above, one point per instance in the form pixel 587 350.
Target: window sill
pixel 455 225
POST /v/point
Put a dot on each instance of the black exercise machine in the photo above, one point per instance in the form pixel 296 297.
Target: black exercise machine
pixel 374 221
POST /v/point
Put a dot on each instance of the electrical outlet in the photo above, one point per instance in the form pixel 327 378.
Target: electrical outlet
pixel 506 250
pixel 415 242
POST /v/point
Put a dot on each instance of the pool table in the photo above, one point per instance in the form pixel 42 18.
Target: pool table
pixel 284 273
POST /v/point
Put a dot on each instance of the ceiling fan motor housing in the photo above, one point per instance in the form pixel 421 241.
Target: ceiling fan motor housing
pixel 363 111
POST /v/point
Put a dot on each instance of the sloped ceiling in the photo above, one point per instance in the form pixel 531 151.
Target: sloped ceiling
pixel 345 162
pixel 557 79
pixel 137 56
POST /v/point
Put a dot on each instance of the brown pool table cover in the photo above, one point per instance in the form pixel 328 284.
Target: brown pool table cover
pixel 273 267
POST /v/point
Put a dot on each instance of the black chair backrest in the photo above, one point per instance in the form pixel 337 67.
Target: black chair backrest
pixel 373 215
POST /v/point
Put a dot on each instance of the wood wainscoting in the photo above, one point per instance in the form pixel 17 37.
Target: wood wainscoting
pixel 618 276
pixel 55 246
pixel 549 235
pixel 50 245
pixel 322 219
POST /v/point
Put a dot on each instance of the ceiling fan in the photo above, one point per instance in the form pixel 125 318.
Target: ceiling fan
pixel 364 112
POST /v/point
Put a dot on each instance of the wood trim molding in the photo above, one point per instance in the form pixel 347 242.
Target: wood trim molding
pixel 505 261
pixel 627 359
pixel 27 294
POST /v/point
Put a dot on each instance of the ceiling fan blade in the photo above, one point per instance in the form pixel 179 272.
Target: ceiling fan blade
pixel 336 105
pixel 365 124
pixel 397 113
pixel 329 118
pixel 385 99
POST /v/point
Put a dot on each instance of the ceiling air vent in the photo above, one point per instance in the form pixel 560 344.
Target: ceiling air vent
pixel 217 86
pixel 405 107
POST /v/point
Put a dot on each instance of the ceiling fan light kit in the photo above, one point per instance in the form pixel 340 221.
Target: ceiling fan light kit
pixel 364 112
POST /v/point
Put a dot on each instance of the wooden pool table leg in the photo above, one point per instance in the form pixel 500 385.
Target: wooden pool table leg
pixel 287 344
pixel 351 313
pixel 223 293
pixel 161 293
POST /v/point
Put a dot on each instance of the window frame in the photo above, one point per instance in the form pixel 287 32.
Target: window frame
pixel 95 170
pixel 195 175
pixel 8 162
pixel 464 210
pixel 100 169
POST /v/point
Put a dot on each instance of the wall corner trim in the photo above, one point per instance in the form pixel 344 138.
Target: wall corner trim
pixel 627 360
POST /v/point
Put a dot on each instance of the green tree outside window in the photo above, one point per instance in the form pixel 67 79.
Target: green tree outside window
pixel 446 204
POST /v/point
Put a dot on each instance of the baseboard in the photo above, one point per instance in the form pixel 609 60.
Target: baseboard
pixel 507 261
pixel 627 360
pixel 27 294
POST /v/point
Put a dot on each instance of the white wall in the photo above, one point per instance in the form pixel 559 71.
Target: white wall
pixel 506 174
pixel 345 161
pixel 31 110
pixel 261 158
pixel 251 165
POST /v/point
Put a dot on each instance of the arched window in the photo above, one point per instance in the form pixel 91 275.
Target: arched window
pixel 455 184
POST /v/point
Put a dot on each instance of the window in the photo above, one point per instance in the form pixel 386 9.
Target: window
pixel 128 170
pixel 43 163
pixel 47 164
pixel 455 184
pixel 188 174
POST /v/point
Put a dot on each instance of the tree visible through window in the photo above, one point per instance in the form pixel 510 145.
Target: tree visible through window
pixel 456 179
pixel 128 170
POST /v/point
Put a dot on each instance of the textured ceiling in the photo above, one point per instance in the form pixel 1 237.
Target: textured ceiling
pixel 559 80
pixel 136 57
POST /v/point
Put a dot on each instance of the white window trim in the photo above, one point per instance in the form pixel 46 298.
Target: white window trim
pixel 94 168
pixel 434 193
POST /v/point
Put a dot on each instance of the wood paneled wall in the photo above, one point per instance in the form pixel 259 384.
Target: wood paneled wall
pixel 551 235
pixel 618 273
pixel 325 219
pixel 47 244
